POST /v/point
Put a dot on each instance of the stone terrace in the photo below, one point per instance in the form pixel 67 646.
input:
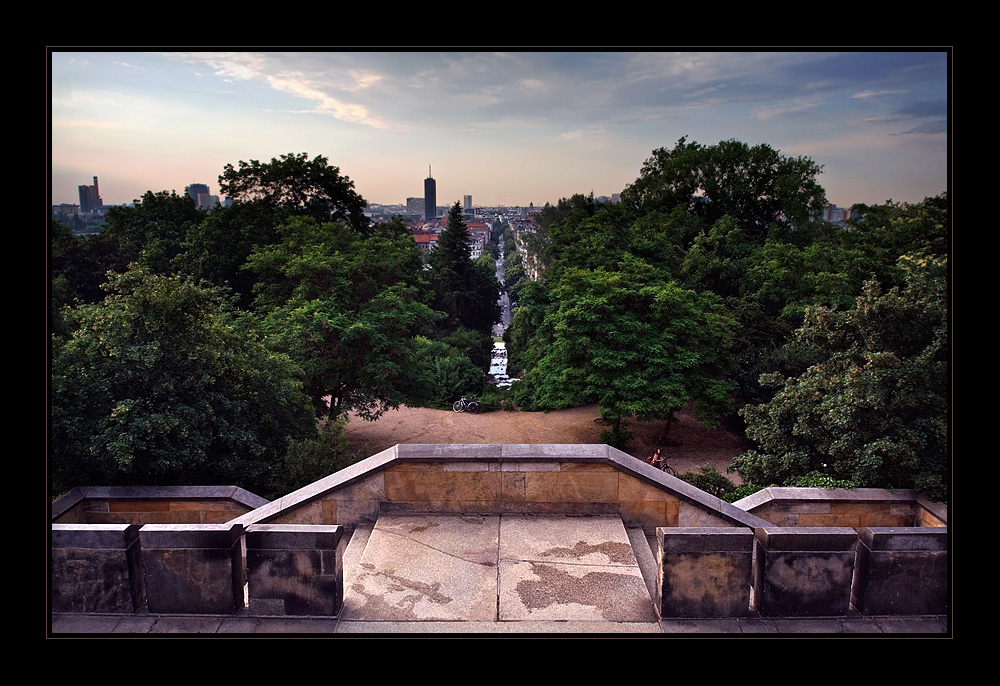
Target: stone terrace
pixel 346 536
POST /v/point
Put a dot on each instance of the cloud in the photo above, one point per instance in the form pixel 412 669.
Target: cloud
pixel 864 95
pixel 931 127
pixel 321 87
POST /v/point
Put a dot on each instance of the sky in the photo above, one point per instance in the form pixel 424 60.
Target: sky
pixel 507 128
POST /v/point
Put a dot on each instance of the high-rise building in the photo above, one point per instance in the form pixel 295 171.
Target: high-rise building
pixel 430 196
pixel 201 196
pixel 468 203
pixel 90 198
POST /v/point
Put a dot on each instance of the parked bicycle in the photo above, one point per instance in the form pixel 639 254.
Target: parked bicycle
pixel 470 405
pixel 660 463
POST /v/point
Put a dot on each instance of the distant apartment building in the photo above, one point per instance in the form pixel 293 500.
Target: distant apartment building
pixel 90 198
pixel 468 204
pixel 836 215
pixel 426 241
pixel 415 207
pixel 66 210
pixel 479 237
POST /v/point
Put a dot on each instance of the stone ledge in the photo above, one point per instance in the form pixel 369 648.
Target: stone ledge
pixel 504 455
pixel 82 493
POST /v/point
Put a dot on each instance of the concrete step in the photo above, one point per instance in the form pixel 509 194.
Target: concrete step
pixel 509 568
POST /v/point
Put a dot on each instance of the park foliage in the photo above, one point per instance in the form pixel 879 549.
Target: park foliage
pixel 231 345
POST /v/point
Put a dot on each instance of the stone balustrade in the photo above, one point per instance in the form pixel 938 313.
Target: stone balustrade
pixel 285 557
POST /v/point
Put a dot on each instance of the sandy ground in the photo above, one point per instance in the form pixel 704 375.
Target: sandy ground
pixel 690 445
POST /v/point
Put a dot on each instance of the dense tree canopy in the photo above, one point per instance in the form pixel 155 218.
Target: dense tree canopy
pixel 712 284
pixel 756 185
pixel 216 249
pixel 874 409
pixel 346 308
pixel 163 383
pixel 637 344
pixel 294 183
pixel 153 230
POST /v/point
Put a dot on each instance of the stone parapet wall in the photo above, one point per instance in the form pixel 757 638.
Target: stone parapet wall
pixel 499 479
pixel 193 569
pixel 96 568
pixel 804 571
pixel 704 572
pixel 813 553
pixel 863 507
pixel 902 571
pixel 154 505
pixel 294 570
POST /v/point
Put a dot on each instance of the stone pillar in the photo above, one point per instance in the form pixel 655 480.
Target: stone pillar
pixel 804 571
pixel 902 571
pixel 193 568
pixel 96 568
pixel 704 571
pixel 294 569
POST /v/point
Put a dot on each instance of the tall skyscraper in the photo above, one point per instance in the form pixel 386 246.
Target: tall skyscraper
pixel 468 203
pixel 200 194
pixel 90 197
pixel 430 196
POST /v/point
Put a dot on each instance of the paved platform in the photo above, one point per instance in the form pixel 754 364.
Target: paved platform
pixel 498 569
pixel 510 574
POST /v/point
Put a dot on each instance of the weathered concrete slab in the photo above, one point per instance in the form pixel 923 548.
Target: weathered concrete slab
pixel 570 569
pixel 509 568
pixel 427 568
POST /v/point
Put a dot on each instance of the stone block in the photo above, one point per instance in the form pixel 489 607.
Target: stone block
pixel 96 568
pixel 902 571
pixel 704 572
pixel 193 569
pixel 294 570
pixel 804 571
pixel 409 486
pixel 572 486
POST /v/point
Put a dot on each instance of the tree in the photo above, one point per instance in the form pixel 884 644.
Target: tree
pixel 347 309
pixel 216 249
pixel 874 409
pixel 468 293
pixel 164 383
pixel 153 230
pixel 757 186
pixel 297 185
pixel 638 345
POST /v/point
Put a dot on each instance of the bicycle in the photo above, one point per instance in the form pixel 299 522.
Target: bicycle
pixel 660 463
pixel 471 405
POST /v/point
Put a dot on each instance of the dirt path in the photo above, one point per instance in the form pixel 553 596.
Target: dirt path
pixel 691 446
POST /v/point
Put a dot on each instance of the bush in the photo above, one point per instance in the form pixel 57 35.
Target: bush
pixel 741 492
pixel 820 480
pixel 709 480
pixel 617 438
pixel 491 398
pixel 312 459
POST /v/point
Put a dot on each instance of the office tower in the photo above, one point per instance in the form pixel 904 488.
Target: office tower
pixel 468 203
pixel 197 192
pixel 430 196
pixel 90 197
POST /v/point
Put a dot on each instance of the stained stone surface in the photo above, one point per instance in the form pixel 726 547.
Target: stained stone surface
pixel 427 568
pixel 498 568
pixel 570 568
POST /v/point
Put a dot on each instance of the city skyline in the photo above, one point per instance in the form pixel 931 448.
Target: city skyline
pixel 507 128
